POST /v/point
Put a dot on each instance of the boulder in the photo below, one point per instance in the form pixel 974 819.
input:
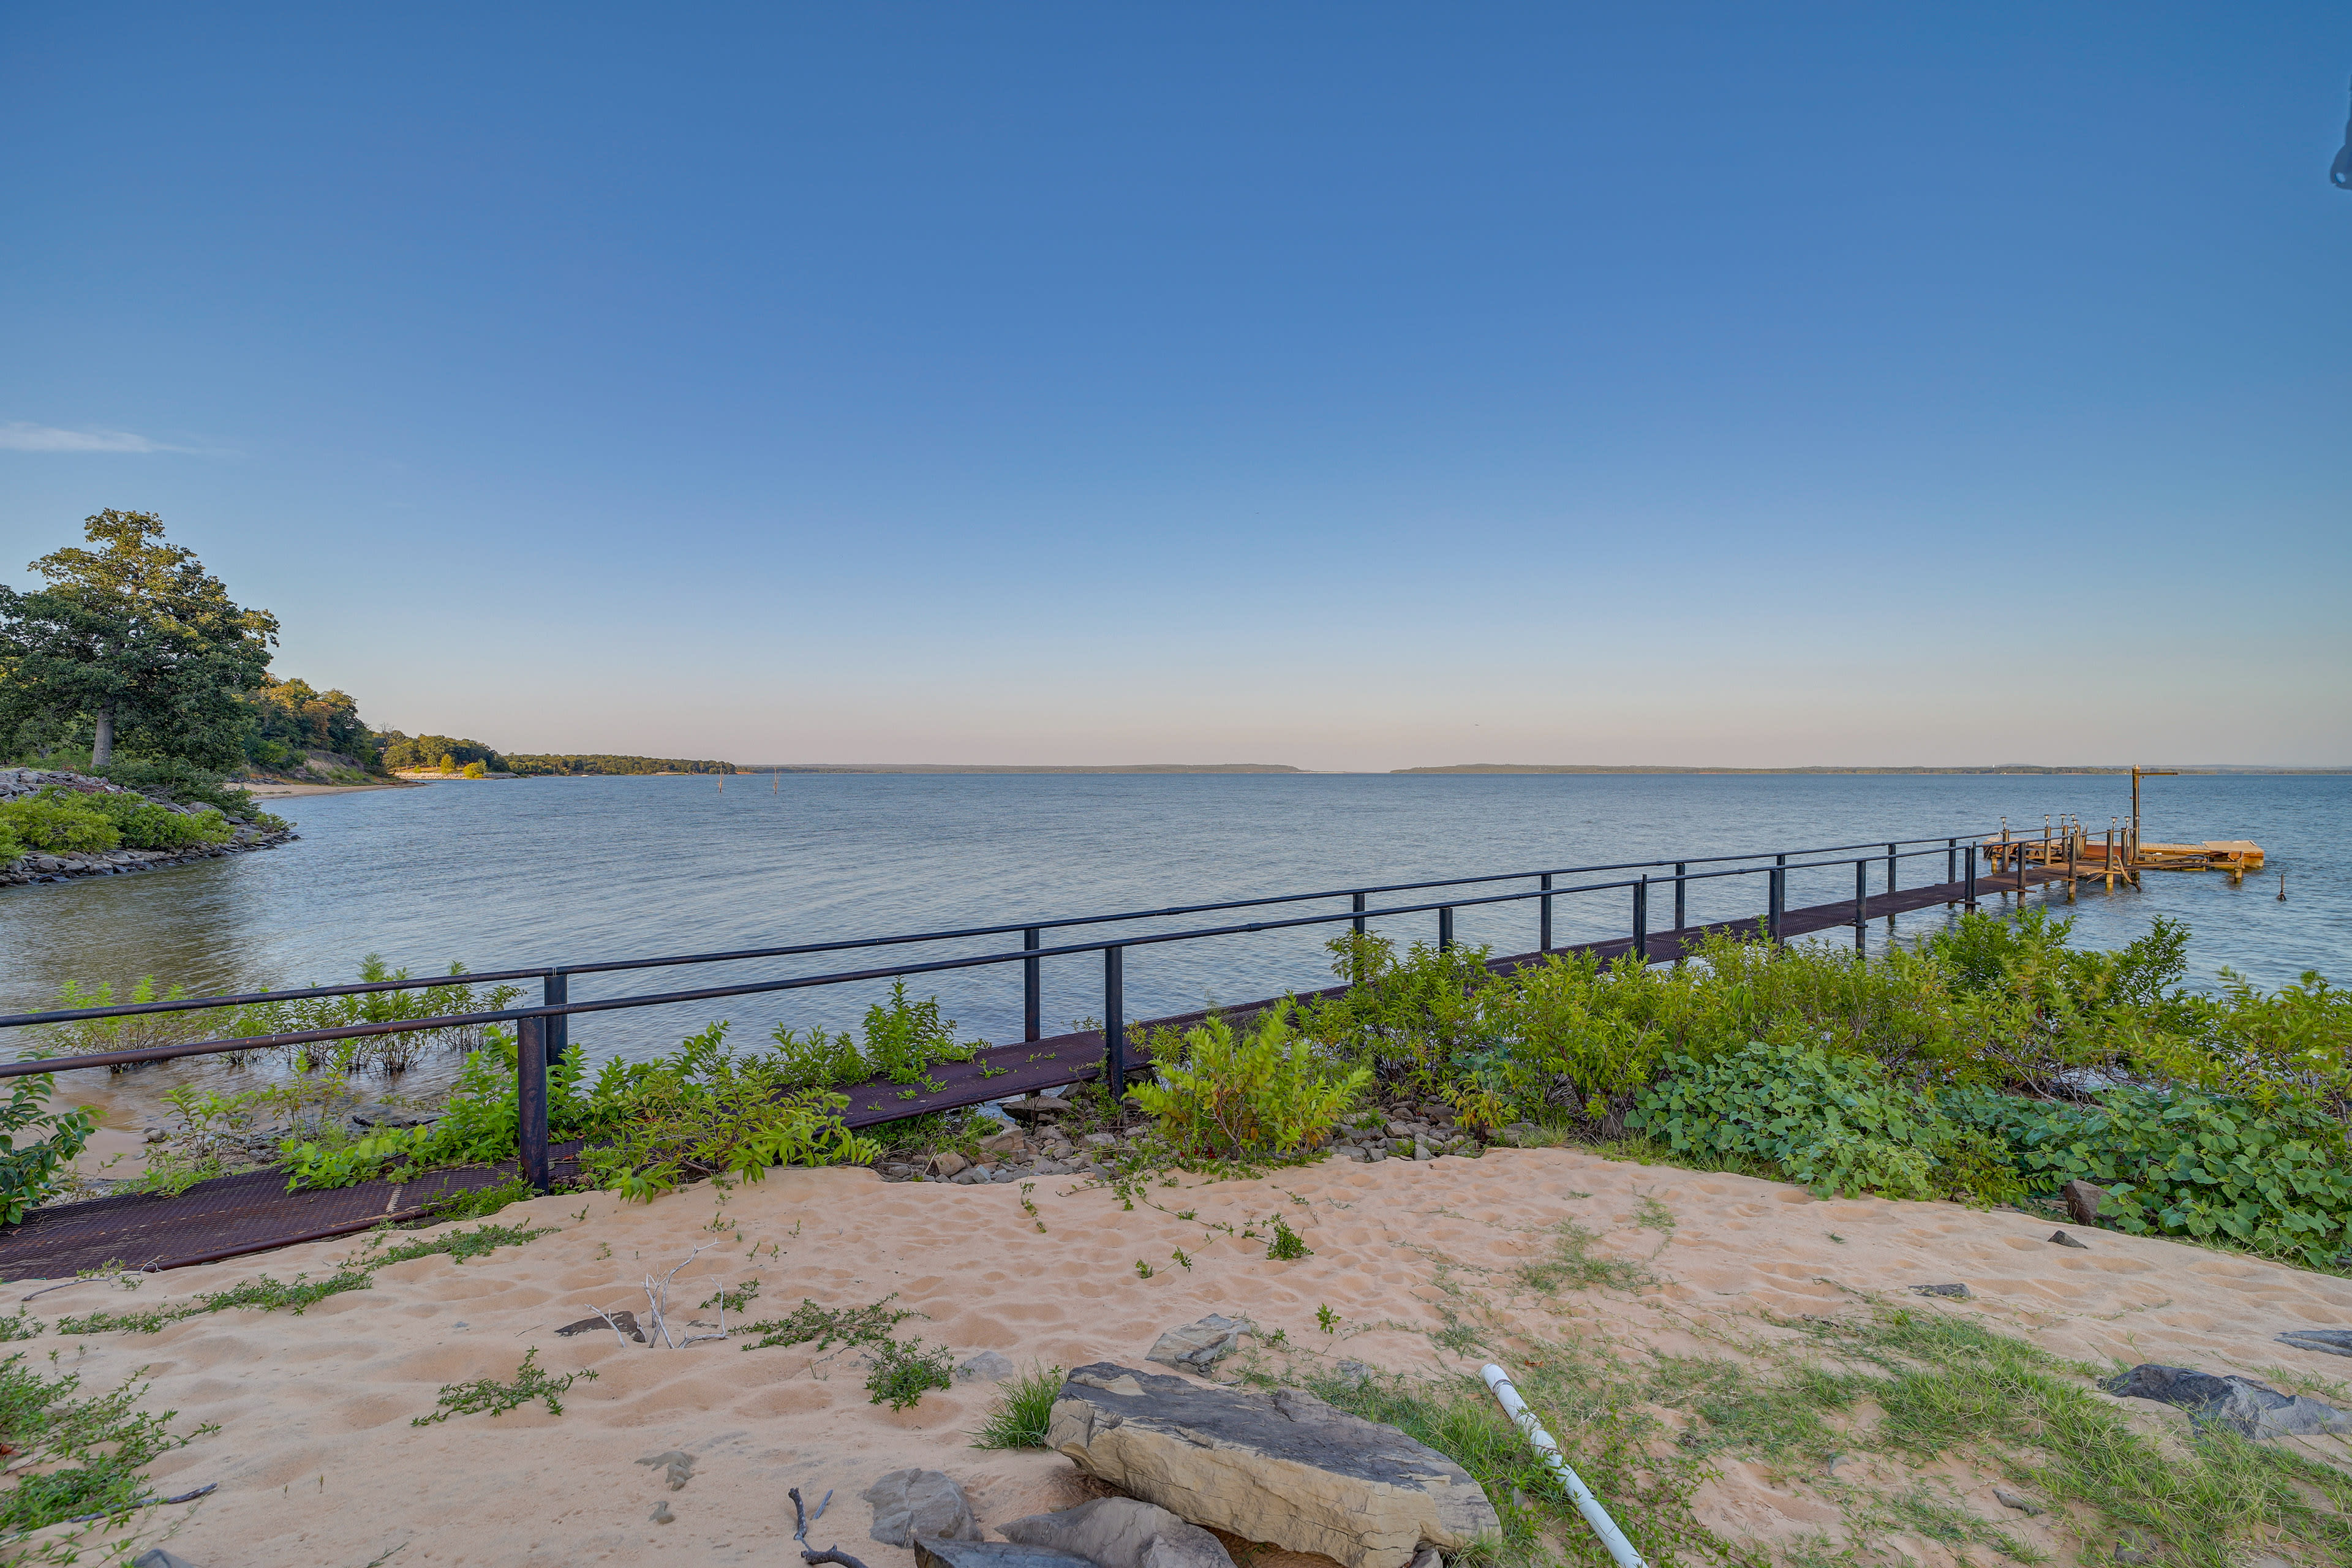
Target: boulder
pixel 944 1552
pixel 1285 1468
pixel 1199 1347
pixel 948 1163
pixel 2248 1408
pixel 2086 1201
pixel 1121 1532
pixel 907 1503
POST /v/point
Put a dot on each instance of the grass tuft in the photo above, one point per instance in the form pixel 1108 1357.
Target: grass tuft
pixel 1022 1411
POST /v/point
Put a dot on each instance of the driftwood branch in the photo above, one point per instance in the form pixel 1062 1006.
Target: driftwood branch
pixel 832 1554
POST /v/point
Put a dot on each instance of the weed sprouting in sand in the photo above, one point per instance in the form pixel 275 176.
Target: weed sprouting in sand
pixel 486 1394
pixel 822 1328
pixel 458 1245
pixel 1572 1263
pixel 1022 1411
pixel 1286 1245
pixel 265 1294
pixel 902 1372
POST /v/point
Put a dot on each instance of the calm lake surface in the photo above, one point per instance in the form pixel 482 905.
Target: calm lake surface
pixel 515 874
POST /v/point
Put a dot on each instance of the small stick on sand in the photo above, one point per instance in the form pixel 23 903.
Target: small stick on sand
pixel 832 1554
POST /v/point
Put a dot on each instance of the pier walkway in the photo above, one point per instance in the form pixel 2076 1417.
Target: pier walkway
pixel 232 1215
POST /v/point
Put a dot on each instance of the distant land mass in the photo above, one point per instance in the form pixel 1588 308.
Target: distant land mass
pixel 1018 768
pixel 1996 768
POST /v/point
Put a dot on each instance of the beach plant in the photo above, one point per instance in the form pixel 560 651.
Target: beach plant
pixel 1022 1411
pixel 1286 1245
pixel 74 1454
pixel 38 1145
pixel 263 1294
pixel 1264 1093
pixel 488 1395
pixel 900 1371
pixel 825 1327
pixel 1572 1263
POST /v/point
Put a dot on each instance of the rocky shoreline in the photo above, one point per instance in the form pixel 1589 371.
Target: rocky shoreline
pixel 42 865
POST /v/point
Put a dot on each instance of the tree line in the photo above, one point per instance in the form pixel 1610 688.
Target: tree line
pixel 135 661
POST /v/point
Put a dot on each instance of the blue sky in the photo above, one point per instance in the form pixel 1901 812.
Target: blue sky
pixel 1342 386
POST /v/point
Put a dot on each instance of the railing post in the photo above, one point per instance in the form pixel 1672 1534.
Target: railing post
pixel 1890 868
pixel 1115 1020
pixel 530 1100
pixel 1033 988
pixel 1445 929
pixel 1773 898
pixel 1359 915
pixel 1543 921
pixel 1969 889
pixel 1951 865
pixel 554 991
pixel 1641 948
pixel 1681 880
pixel 1861 901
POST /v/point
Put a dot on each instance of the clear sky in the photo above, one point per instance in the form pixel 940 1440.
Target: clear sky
pixel 1346 385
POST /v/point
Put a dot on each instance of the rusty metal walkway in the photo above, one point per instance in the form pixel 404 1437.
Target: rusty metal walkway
pixel 232 1215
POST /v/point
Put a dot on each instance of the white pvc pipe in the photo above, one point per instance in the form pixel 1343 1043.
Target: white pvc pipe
pixel 1586 1504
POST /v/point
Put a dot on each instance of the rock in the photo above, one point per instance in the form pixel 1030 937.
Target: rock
pixel 2086 1201
pixel 988 1365
pixel 1955 1292
pixel 1355 1154
pixel 1005 1142
pixel 1099 1140
pixel 662 1515
pixel 940 1551
pixel 1354 1371
pixel 1285 1468
pixel 2007 1499
pixel 1199 1347
pixel 625 1321
pixel 1121 1532
pixel 2248 1408
pixel 156 1557
pixel 2334 1342
pixel 907 1503
pixel 971 1176
pixel 1427 1557
pixel 947 1162
pixel 1376 1154
pixel 1036 1108
pixel 2062 1239
pixel 678 1466
pixel 1421 1150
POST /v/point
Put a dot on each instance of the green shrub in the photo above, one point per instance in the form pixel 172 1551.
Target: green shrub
pixel 901 1372
pixel 176 779
pixel 1262 1095
pixel 59 822
pixel 38 1145
pixel 904 1041
pixel 1836 1123
pixel 143 824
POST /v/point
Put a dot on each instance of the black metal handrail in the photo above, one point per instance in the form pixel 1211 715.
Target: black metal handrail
pixel 542 1030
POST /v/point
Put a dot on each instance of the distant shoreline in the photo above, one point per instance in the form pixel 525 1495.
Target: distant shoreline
pixel 2020 769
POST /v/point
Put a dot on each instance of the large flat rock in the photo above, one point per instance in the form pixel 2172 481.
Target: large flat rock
pixel 1284 1468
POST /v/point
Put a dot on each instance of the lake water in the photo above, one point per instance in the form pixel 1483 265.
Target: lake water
pixel 516 874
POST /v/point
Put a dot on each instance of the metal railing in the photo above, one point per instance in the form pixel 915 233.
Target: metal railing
pixel 542 1031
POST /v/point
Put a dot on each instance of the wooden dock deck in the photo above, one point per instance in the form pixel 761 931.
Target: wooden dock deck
pixel 232 1215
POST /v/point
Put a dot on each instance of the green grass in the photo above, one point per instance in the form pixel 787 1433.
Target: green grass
pixel 1022 1411
pixel 1572 1263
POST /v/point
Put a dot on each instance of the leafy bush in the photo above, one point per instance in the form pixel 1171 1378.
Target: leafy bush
pixel 143 824
pixel 176 779
pixel 904 1041
pixel 1835 1123
pixel 485 1394
pixel 38 1145
pixel 1263 1094
pixel 901 1372
pixel 703 1112
pixel 91 1454
pixel 57 820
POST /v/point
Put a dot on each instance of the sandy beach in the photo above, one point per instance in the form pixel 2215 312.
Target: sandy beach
pixel 318 1463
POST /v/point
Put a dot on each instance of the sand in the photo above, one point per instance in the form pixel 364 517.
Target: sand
pixel 318 1463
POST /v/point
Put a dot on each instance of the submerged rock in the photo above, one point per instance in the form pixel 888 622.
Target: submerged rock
pixel 1285 1468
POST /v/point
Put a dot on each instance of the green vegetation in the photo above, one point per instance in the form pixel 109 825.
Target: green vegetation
pixel 66 822
pixel 904 1041
pixel 38 1145
pixel 135 640
pixel 1022 1411
pixel 1263 1094
pixel 1990 1063
pixel 825 1327
pixel 901 1372
pixel 73 1455
pixel 291 718
pixel 484 1394
pixel 445 751
pixel 542 765
pixel 269 1295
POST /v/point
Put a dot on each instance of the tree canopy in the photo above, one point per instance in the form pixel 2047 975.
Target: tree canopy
pixel 134 639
